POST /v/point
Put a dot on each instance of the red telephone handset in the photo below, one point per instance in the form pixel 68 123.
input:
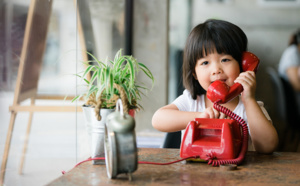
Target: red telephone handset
pixel 220 92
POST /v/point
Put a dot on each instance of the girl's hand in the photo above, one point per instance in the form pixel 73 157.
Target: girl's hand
pixel 248 81
pixel 212 113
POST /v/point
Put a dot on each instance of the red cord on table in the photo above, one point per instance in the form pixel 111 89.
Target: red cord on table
pixel 140 162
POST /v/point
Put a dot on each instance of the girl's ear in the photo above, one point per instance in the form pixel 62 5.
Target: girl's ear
pixel 195 76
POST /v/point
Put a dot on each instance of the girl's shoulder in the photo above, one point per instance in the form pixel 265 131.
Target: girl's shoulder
pixel 185 102
pixel 241 106
pixel 186 93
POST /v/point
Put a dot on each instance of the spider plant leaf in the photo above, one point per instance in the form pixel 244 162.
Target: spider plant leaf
pixel 78 76
pixel 141 87
pixel 107 76
pixel 91 91
pixel 100 77
pixel 111 84
pixel 98 61
pixel 146 71
pixel 105 62
pixel 122 74
pixel 100 89
pixel 118 64
pixel 129 69
pixel 111 62
pixel 86 81
pixel 88 70
pixel 76 98
pixel 133 95
pixel 107 82
pixel 127 93
pixel 118 55
pixel 94 76
pixel 87 63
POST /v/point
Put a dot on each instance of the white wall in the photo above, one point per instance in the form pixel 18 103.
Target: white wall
pixel 150 47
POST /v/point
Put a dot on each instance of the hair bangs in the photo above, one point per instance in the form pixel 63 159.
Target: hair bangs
pixel 209 43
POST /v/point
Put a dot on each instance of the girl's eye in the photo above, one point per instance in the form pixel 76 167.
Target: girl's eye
pixel 225 60
pixel 204 63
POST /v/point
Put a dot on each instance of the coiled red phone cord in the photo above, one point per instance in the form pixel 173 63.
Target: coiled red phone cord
pixel 211 157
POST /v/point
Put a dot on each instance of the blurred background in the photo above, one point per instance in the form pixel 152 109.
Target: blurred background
pixel 155 35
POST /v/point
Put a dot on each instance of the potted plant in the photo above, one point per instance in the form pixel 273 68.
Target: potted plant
pixel 110 80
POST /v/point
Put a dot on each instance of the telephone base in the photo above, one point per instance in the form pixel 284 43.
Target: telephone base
pixel 215 138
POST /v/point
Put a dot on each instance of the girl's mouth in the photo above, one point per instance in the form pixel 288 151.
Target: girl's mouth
pixel 223 80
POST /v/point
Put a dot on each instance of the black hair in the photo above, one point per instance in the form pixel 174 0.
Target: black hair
pixel 295 39
pixel 219 35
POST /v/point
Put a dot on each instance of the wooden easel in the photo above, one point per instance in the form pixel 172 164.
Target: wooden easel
pixel 31 58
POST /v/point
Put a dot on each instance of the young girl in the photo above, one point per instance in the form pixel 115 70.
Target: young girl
pixel 214 51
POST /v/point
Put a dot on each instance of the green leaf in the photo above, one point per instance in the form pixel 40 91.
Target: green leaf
pixel 132 71
pixel 146 71
pixel 111 84
pixel 118 55
pixel 98 61
pixel 129 98
pixel 91 91
pixel 88 69
pixel 100 89
pixel 76 98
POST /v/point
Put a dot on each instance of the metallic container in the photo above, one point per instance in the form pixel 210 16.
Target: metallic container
pixel 120 143
pixel 96 131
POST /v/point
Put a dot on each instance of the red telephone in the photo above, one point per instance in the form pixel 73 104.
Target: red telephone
pixel 219 141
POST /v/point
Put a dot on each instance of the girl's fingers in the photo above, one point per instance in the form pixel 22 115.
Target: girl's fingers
pixel 212 113
pixel 222 116
pixel 246 77
pixel 247 80
pixel 205 115
pixel 217 113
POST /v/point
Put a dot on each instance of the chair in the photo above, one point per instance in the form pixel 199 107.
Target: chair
pixel 293 118
pixel 285 117
pixel 291 104
pixel 279 93
pixel 172 140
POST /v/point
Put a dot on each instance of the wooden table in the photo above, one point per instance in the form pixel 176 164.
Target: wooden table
pixel 280 168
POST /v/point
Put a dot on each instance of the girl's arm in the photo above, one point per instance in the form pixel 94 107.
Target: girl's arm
pixel 170 119
pixel 263 133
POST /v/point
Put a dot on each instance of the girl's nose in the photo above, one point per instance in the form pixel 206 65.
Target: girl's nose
pixel 216 70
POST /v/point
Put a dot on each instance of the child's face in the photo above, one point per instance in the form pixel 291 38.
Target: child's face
pixel 214 67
